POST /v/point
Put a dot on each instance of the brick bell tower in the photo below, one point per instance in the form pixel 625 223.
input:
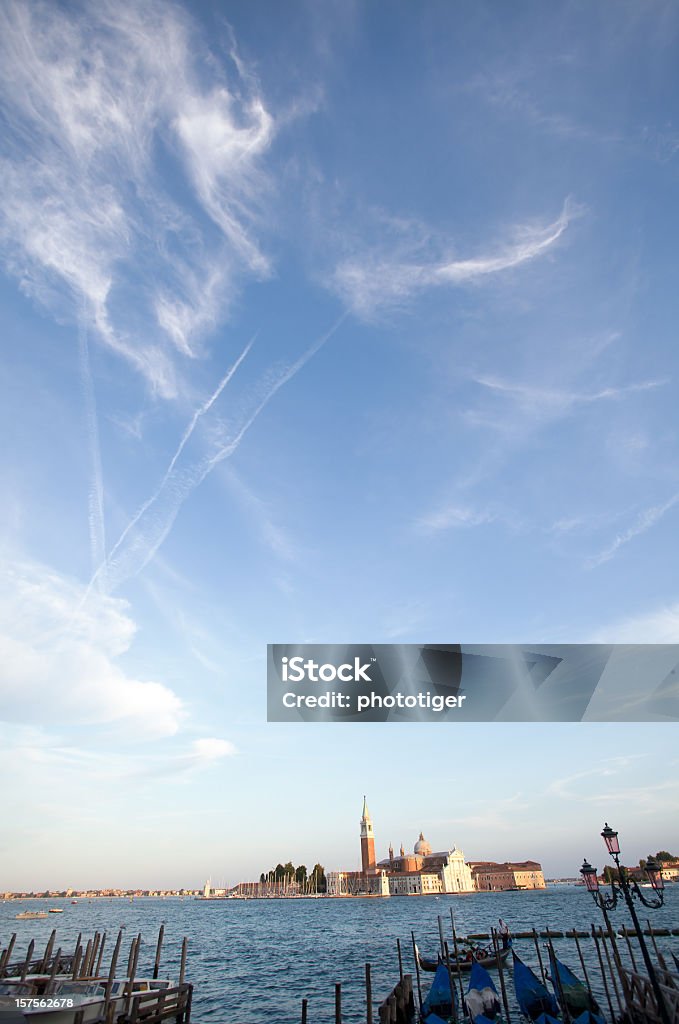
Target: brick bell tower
pixel 367 842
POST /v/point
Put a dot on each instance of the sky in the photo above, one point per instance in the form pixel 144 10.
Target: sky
pixel 327 322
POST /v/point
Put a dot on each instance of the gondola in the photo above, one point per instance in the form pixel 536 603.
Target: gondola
pixel 535 1001
pixel 464 965
pixel 482 1001
pixel 573 996
pixel 441 1001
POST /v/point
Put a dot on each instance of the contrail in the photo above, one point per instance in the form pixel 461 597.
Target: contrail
pixel 183 484
pixel 205 407
pixel 96 491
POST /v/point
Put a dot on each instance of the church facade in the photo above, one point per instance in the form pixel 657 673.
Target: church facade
pixel 422 872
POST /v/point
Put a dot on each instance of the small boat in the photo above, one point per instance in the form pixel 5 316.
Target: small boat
pixel 482 1001
pixel 31 915
pixel 484 957
pixel 535 1001
pixel 575 998
pixel 440 1003
pixel 56 910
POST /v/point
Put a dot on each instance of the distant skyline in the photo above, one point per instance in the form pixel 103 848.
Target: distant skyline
pixel 327 323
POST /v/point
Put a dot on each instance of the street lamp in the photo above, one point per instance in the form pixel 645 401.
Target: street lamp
pixel 628 889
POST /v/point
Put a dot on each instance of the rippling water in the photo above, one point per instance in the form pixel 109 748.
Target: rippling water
pixel 253 961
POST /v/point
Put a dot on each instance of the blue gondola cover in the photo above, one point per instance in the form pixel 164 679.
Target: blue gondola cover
pixel 535 1000
pixel 482 999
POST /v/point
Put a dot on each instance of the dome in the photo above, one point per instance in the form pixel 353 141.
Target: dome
pixel 422 847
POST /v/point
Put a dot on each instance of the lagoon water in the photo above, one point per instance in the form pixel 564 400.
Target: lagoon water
pixel 252 961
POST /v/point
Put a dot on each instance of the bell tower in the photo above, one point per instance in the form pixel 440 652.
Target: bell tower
pixel 367 842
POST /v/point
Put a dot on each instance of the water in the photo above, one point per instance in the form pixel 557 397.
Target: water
pixel 253 961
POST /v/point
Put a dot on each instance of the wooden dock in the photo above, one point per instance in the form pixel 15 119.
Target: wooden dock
pixel 114 990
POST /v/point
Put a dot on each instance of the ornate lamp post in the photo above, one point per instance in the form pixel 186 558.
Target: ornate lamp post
pixel 629 890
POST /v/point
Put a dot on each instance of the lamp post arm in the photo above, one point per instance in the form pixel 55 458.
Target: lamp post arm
pixel 652 904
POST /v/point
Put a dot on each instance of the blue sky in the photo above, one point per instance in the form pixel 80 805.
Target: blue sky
pixel 327 322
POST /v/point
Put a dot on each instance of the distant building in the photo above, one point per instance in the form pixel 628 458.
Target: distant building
pixel 418 873
pixel 670 870
pixel 489 876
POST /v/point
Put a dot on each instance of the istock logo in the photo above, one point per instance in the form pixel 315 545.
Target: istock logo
pixel 294 670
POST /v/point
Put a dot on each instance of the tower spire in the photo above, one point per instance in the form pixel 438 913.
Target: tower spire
pixel 367 841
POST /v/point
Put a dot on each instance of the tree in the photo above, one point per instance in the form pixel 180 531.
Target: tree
pixel 318 878
pixel 300 874
pixel 665 856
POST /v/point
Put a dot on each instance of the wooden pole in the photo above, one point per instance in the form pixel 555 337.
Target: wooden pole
pixel 457 964
pixel 112 973
pixel 48 951
pixel 400 960
pixel 338 1002
pixel 369 991
pixel 132 970
pixel 537 950
pixel 182 968
pixel 582 962
pixel 77 957
pixel 618 963
pixel 603 975
pixel 557 983
pixel 54 971
pixel 101 954
pixel 631 951
pixel 156 966
pixel 305 1003
pixel 496 947
pixel 4 960
pixel 27 963
pixel 86 959
pixel 95 950
pixel 417 970
pixel 661 959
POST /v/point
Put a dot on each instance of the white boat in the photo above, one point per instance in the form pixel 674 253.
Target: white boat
pixel 60 1006
pixel 56 910
pixel 58 1001
pixel 30 915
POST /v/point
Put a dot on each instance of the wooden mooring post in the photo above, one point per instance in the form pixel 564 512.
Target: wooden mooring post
pixel 399 1006
pixel 369 991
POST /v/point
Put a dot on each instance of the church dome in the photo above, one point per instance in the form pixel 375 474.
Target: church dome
pixel 422 847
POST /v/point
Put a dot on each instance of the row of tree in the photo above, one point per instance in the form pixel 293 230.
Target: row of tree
pixel 611 874
pixel 288 873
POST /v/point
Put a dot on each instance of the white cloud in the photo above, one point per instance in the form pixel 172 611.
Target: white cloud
pixel 112 114
pixel 377 281
pixel 659 626
pixel 453 516
pixel 60 658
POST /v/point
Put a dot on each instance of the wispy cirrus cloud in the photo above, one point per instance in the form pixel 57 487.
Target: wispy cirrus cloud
pixel 112 114
pixel 380 279
pixel 644 521
pixel 454 516
pixel 534 402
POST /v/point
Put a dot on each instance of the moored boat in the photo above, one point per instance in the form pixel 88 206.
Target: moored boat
pixel 30 915
pixel 575 999
pixel 535 1001
pixel 482 1001
pixel 484 957
pixel 441 1001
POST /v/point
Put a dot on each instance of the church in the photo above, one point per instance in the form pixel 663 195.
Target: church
pixel 419 873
